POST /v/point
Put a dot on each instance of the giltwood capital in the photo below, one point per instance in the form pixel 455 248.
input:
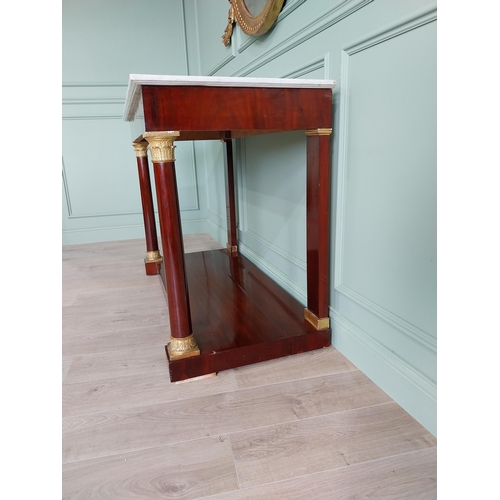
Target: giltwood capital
pixel 319 131
pixel 161 145
pixel 141 148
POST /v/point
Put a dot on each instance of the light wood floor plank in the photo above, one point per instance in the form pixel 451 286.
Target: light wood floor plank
pixel 108 280
pixel 411 476
pixel 69 297
pixel 200 243
pixel 282 451
pixel 76 345
pixel 66 365
pixel 181 471
pixel 116 364
pixel 138 390
pixel 294 423
pixel 119 254
pixel 309 364
pixel 106 433
pixel 141 305
pixel 82 251
pixel 128 267
pixel 123 295
pixel 74 281
pixel 92 284
pixel 76 321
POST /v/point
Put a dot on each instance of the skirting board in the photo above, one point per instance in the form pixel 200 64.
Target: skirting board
pixel 117 233
pixel 393 376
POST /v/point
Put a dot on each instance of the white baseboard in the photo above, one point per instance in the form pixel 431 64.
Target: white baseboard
pixel 408 387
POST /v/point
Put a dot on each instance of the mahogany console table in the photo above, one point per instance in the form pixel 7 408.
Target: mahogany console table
pixel 224 312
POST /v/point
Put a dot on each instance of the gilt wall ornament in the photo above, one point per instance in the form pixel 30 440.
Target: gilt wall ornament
pixel 255 17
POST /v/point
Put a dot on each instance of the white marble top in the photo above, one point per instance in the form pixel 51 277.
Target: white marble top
pixel 136 81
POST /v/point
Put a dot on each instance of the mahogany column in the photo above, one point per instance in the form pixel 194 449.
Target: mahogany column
pixel 153 257
pixel 182 342
pixel 318 227
pixel 232 237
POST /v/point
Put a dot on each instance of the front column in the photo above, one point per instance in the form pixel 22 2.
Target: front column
pixel 153 257
pixel 318 227
pixel 182 342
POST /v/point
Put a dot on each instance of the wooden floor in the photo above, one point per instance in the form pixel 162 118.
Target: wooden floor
pixel 310 426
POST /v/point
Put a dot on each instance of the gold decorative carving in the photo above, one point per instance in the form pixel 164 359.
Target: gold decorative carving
pixel 228 32
pixel 319 131
pixel 252 23
pixel 232 249
pixel 153 256
pixel 318 323
pixel 161 145
pixel 141 148
pixel 183 348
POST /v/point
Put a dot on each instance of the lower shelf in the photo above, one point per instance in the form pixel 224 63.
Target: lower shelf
pixel 240 317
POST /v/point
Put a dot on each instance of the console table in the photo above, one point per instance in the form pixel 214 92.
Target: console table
pixel 225 312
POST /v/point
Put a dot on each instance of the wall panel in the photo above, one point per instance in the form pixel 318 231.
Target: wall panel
pixel 213 54
pixel 104 42
pixel 385 256
pixel 388 168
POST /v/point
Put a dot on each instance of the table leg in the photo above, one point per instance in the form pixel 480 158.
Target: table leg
pixel 153 257
pixel 182 342
pixel 232 236
pixel 318 227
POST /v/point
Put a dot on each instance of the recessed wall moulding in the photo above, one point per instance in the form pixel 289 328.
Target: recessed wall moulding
pixel 254 17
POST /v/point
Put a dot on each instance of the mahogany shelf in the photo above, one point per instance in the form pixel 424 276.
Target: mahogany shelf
pixel 240 316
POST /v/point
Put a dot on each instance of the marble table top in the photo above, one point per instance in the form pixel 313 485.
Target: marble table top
pixel 137 81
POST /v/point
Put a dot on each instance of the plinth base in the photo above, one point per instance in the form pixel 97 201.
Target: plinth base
pixel 240 317
pixel 152 268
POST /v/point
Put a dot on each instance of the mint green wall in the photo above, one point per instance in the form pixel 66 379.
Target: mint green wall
pixel 383 226
pixel 102 43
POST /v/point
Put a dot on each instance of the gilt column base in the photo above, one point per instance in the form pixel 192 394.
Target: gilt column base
pixel 318 323
pixel 179 348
